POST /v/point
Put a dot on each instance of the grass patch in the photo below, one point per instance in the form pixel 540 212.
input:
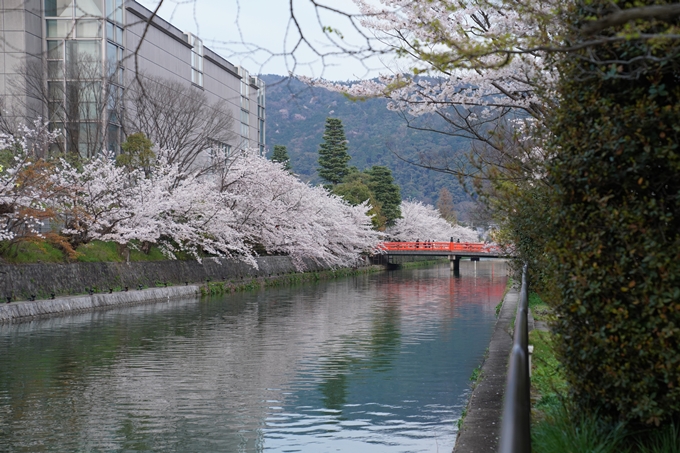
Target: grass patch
pixel 539 309
pixel 111 252
pixel 154 254
pixel 564 432
pixel 548 385
pixel 558 429
pixel 476 374
pixel 664 440
pixel 508 287
pixel 33 252
pixel 98 251
pixel 230 286
pixel 42 251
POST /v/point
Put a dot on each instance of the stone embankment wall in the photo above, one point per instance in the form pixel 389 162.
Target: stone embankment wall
pixel 117 284
pixel 23 311
pixel 20 282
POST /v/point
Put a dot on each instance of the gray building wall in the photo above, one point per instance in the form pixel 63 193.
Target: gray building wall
pixel 20 41
pixel 164 53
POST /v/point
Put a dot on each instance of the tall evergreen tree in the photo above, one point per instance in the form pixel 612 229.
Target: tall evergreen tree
pixel 333 156
pixel 445 205
pixel 386 192
pixel 280 155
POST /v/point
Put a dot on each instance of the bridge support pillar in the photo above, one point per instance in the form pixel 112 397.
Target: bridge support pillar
pixel 454 262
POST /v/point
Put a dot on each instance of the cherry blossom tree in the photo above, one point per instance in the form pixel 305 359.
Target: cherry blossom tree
pixel 25 188
pixel 477 66
pixel 245 202
pixel 423 222
pixel 284 215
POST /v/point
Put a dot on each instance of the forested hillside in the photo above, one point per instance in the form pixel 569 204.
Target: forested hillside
pixel 296 115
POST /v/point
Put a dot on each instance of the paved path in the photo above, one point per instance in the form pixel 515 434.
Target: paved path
pixel 481 426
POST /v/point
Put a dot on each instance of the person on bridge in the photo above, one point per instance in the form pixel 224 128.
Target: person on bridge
pixel 417 243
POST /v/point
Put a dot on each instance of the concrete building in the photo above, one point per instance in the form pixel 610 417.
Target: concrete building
pixel 81 63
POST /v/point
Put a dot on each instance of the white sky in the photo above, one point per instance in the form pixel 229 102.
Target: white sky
pixel 264 23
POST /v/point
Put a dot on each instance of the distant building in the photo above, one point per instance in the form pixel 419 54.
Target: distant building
pixel 76 62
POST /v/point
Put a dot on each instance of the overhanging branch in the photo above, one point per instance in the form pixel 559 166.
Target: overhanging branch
pixel 658 12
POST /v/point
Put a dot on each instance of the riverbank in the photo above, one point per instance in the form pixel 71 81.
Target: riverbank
pixel 481 427
pixel 29 310
pixel 61 289
pixel 47 280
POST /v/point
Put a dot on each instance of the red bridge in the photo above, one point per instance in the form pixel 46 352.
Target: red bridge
pixel 454 250
pixel 480 249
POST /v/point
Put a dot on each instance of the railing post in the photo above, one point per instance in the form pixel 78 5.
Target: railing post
pixel 516 423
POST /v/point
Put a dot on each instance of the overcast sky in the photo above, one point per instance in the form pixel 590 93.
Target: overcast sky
pixel 223 24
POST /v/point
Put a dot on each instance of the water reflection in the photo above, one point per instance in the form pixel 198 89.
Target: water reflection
pixel 373 363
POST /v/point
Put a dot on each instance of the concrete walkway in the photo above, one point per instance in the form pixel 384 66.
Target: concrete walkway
pixel 481 426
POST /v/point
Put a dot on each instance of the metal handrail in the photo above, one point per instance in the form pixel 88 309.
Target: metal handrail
pixel 516 423
pixel 452 247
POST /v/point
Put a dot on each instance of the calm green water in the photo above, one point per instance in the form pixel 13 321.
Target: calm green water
pixel 376 363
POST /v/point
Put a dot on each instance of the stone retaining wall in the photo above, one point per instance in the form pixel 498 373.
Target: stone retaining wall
pixel 20 282
pixel 23 311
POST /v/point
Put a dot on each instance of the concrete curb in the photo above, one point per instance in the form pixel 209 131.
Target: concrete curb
pixel 24 311
pixel 481 426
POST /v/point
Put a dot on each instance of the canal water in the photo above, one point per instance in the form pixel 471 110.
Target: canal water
pixel 373 363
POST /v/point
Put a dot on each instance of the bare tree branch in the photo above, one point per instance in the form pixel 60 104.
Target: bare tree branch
pixel 657 12
pixel 178 119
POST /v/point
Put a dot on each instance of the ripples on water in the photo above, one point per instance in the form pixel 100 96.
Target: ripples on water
pixel 376 363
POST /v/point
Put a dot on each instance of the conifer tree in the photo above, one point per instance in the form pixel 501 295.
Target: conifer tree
pixel 445 205
pixel 386 192
pixel 280 155
pixel 137 152
pixel 333 156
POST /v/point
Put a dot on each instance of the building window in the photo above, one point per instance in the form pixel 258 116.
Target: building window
pixel 196 59
pixel 115 83
pixel 92 8
pixel 219 151
pixel 260 111
pixel 74 30
pixel 114 10
pixel 245 88
pixel 77 8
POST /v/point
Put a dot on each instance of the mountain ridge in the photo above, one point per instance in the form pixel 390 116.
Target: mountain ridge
pixel 296 115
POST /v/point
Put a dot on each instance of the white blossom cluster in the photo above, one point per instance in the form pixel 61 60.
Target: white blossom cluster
pixel 244 203
pixel 481 57
pixel 22 206
pixel 422 222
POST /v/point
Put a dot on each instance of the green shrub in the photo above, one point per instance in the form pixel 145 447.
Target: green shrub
pixel 616 176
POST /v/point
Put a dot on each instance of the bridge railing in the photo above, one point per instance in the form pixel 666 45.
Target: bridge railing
pixel 516 422
pixel 449 247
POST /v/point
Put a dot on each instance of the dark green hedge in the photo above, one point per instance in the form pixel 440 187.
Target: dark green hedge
pixel 617 241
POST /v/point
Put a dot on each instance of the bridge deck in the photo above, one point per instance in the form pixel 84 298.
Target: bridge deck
pixel 441 249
